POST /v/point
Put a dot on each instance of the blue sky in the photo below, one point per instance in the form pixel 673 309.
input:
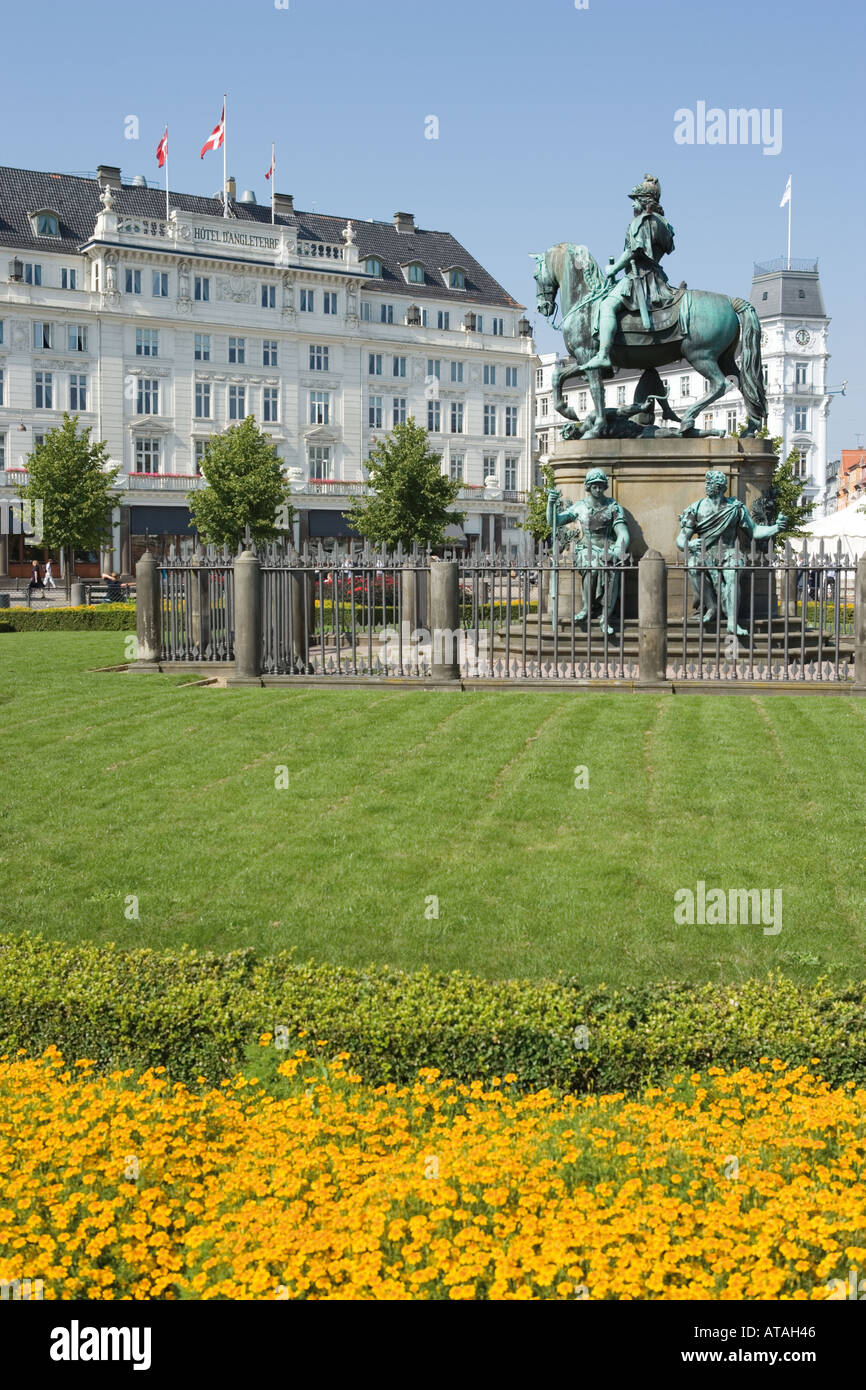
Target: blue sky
pixel 547 116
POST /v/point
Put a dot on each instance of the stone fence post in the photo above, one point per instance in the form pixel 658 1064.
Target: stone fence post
pixel 445 620
pixel 148 614
pixel 652 608
pixel 859 627
pixel 248 620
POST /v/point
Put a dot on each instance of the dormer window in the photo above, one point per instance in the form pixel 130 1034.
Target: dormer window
pixel 415 273
pixel 373 266
pixel 45 223
pixel 455 277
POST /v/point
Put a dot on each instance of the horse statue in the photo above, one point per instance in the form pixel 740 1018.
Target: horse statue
pixel 698 325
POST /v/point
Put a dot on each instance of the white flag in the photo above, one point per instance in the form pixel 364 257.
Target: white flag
pixel 786 196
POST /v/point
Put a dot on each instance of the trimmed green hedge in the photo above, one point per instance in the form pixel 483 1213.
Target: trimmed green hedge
pixel 101 617
pixel 202 1014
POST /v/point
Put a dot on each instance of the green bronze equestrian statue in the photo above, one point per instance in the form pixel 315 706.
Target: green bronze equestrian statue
pixel 708 536
pixel 602 545
pixel 642 321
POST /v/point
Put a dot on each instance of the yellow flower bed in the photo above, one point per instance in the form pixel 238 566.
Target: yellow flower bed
pixel 725 1185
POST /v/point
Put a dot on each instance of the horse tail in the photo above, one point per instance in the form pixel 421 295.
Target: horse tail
pixel 751 371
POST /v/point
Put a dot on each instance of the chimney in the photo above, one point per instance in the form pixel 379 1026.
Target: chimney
pixel 231 188
pixel 404 221
pixel 108 175
pixel 284 205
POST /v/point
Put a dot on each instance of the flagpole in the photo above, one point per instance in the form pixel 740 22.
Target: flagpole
pixel 273 178
pixel 225 143
pixel 166 173
pixel 790 199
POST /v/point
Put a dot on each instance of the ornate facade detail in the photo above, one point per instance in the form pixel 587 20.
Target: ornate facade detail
pixel 183 273
pixel 235 288
pixel 288 304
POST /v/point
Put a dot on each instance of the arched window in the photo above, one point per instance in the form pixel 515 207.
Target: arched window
pixel 373 266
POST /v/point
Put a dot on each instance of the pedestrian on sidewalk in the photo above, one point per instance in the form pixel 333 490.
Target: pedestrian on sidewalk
pixel 113 589
pixel 48 577
pixel 35 578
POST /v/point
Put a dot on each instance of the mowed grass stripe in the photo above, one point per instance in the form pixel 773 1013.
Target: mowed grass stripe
pixel 128 785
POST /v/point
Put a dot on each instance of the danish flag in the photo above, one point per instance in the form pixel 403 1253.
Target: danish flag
pixel 271 170
pixel 218 136
pixel 162 149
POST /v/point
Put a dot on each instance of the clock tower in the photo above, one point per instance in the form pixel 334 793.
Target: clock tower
pixel 788 300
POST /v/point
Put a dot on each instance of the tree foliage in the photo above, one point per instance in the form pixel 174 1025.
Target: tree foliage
pixel 245 487
pixel 784 495
pixel 536 522
pixel 410 500
pixel 69 474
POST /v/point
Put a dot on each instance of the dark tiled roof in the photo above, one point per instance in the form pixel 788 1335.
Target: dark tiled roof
pixel 76 202
pixel 794 293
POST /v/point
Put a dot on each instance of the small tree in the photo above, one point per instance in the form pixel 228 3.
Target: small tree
pixel 784 493
pixel 68 473
pixel 410 498
pixel 536 522
pixel 246 487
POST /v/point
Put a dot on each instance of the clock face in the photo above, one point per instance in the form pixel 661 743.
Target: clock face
pixel 804 337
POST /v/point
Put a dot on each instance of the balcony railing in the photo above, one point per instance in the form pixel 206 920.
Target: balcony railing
pixel 13 477
pixel 322 250
pixel 475 492
pixel 165 482
pixel 334 487
pixel 780 263
pixel 316 487
pixel 143 226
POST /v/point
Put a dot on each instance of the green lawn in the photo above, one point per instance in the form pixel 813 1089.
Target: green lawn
pixel 118 785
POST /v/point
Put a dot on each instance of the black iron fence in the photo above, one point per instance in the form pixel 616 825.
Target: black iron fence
pixel 547 618
pixel 197 607
pixel 719 615
pixel 758 615
pixel 351 616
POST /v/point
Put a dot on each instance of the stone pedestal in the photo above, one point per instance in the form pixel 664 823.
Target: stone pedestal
pixel 654 480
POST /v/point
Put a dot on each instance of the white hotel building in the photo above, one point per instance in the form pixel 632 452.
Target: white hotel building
pixel 795 354
pixel 160 332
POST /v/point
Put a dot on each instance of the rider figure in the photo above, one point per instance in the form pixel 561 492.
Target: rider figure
pixel 645 285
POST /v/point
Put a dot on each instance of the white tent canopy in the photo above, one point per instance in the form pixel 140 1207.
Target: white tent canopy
pixel 847 526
